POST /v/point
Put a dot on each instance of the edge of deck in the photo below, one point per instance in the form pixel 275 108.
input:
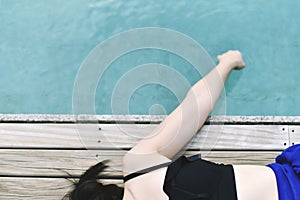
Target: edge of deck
pixel 83 118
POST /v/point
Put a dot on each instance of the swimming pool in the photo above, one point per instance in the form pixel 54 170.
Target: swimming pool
pixel 43 44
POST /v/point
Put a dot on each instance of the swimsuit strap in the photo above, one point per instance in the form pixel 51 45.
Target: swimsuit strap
pixel 144 171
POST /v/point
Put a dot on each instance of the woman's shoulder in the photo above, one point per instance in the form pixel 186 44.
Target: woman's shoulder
pixel 148 185
pixel 137 161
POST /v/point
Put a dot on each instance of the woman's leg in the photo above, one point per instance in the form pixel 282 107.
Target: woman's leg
pixel 184 122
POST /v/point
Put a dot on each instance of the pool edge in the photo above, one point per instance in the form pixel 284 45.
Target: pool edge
pixel 84 118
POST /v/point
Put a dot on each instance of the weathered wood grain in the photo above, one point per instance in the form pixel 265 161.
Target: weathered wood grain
pixel 33 188
pixel 55 163
pixel 37 188
pixel 126 135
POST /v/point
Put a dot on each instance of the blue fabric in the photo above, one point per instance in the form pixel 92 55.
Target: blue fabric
pixel 287 171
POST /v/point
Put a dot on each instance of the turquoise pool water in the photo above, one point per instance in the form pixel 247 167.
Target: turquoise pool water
pixel 43 43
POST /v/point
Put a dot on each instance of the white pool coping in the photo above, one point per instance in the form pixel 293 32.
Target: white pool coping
pixel 63 118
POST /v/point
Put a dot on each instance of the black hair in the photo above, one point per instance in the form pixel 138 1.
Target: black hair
pixel 89 188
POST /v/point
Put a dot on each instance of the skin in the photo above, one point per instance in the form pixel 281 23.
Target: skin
pixel 252 182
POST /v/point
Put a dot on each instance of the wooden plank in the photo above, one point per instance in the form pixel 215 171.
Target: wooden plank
pixel 33 188
pixel 14 135
pixel 37 188
pixel 242 137
pixel 243 157
pixel 58 162
pixel 294 132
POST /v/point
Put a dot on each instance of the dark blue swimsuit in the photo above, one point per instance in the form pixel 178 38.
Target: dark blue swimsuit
pixel 287 171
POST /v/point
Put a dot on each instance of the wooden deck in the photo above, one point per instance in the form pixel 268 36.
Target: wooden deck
pixel 37 152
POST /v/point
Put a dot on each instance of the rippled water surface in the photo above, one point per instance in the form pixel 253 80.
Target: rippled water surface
pixel 43 43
